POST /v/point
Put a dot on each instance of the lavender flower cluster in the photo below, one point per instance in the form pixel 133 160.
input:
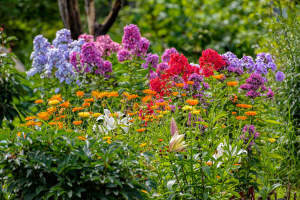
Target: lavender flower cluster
pixel 49 60
pixel 254 84
pixel 249 134
pixel 262 64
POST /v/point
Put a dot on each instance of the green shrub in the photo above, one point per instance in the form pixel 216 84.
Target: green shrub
pixel 36 167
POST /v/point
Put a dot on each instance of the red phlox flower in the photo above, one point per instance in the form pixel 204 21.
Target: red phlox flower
pixel 210 61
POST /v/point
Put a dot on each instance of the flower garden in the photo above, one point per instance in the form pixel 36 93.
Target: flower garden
pixel 115 121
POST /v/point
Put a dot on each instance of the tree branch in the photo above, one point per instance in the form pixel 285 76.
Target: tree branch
pixel 102 29
pixel 91 15
pixel 70 15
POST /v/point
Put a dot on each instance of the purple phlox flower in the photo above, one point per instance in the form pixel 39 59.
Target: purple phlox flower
pixel 142 47
pixel 167 54
pixel 247 62
pixel 280 76
pixel 76 45
pixel 131 37
pixel 205 85
pixel 39 55
pixel 264 61
pixel 270 93
pixel 177 79
pixel 90 55
pixel 234 64
pixel 255 81
pixel 252 94
pixel 123 55
pixel 151 59
pixel 86 37
pixel 152 75
pixel 162 66
pixel 74 60
pixel 249 134
pixel 106 45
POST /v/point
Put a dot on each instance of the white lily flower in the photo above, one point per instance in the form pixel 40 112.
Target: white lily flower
pixel 111 123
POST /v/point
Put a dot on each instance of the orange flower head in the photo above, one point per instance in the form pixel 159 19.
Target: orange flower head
pixel 146 98
pixel 113 94
pixel 192 102
pixel 149 92
pixel 232 83
pixel 190 82
pixel 56 97
pixel 209 163
pixel 30 118
pixel 43 116
pixel 77 109
pixel 132 96
pixel 164 103
pixel 65 104
pixel 38 101
pixel 88 100
pixel 86 104
pixel 219 77
pixel 51 110
pixel 234 113
pixel 175 93
pixel 251 113
pixel 97 115
pixel 243 106
pixel 180 85
pixel 241 117
pixel 30 123
pixel 80 94
pixel 82 138
pixel 76 123
pixel 183 94
pixel 140 130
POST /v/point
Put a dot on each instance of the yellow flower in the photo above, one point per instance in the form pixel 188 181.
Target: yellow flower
pixel 84 114
pixel 209 163
pixel 108 141
pixel 272 140
pixel 144 191
pixel 196 112
pixel 165 112
pixel 97 114
pixel 106 138
pixel 53 102
pixel 143 144
pixel 187 108
pixel 149 92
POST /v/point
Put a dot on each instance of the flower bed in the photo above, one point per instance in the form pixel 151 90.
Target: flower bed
pixel 128 124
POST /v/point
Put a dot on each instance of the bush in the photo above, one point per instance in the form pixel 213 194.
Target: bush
pixel 36 167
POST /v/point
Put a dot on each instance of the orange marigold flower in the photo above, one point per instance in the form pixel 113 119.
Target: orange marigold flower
pixel 43 116
pixel 251 113
pixel 56 97
pixel 113 94
pixel 86 104
pixel 190 82
pixel 38 123
pixel 160 140
pixel 30 123
pixel 146 98
pixel 77 122
pixel 192 102
pixel 63 116
pixel 82 138
pixel 140 130
pixel 243 106
pixel 180 85
pixel 89 100
pixel 164 103
pixel 131 113
pixel 65 104
pixel 234 113
pixel 149 92
pixel 132 96
pixel 114 115
pixel 51 110
pixel 131 120
pixel 183 94
pixel 77 109
pixel 219 77
pixel 39 101
pixel 126 94
pixel 232 83
pixel 241 117
pixel 209 163
pixel 79 93
pixel 237 164
pixel 30 118
pixel 175 93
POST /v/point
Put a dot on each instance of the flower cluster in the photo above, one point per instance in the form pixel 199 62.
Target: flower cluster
pixel 253 84
pixel 249 135
pixel 210 61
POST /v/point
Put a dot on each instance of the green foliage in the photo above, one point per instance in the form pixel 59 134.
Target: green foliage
pixel 13 86
pixel 48 166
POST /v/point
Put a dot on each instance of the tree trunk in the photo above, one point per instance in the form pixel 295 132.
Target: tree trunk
pixel 70 15
pixel 91 15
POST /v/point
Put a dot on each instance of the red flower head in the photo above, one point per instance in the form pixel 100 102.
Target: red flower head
pixel 210 61
pixel 178 64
